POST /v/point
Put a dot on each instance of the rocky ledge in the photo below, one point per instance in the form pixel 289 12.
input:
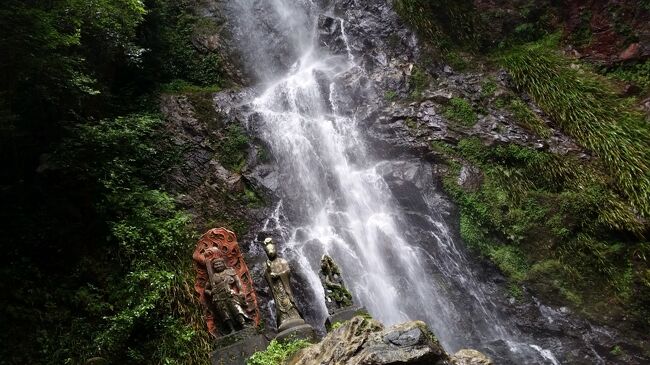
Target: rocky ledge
pixel 364 341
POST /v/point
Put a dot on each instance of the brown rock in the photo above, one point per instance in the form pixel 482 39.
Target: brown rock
pixel 470 357
pixel 632 52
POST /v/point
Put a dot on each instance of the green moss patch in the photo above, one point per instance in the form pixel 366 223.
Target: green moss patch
pixel 233 147
pixel 277 352
pixel 461 111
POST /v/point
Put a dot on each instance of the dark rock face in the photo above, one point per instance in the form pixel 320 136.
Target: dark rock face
pixel 420 122
pixel 203 182
pixel 605 32
pixel 331 34
pixel 363 341
pixel 212 194
pixel 235 349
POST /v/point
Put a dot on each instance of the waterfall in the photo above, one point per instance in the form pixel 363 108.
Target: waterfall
pixel 382 220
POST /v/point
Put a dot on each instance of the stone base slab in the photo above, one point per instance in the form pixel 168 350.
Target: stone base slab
pixel 235 349
pixel 343 315
pixel 302 332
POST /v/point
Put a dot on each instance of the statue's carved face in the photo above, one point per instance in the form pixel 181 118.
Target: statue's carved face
pixel 271 250
pixel 219 265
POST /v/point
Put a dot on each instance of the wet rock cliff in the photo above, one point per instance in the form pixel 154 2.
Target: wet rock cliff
pixel 456 129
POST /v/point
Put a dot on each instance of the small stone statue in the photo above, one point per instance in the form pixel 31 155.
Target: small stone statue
pixel 337 296
pixel 226 302
pixel 277 275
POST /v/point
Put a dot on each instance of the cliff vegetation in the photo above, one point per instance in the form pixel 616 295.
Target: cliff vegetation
pixel 573 228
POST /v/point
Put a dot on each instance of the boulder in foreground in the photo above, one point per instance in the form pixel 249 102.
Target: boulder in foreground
pixel 364 341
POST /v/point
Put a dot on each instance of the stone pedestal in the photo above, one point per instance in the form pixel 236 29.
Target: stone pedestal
pixel 301 332
pixel 236 348
pixel 343 315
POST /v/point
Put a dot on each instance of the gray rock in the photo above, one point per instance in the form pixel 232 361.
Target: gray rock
pixel 236 348
pixel 441 96
pixel 470 178
pixel 363 341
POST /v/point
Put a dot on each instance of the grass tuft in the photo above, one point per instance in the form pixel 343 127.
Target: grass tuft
pixel 587 108
pixel 527 118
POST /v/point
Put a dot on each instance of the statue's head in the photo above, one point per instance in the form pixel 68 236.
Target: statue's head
pixel 269 247
pixel 326 263
pixel 219 265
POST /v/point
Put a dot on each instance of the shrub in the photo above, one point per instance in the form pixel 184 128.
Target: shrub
pixel 147 290
pixel 556 211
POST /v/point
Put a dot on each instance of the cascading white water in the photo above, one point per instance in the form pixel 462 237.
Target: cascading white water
pixel 399 261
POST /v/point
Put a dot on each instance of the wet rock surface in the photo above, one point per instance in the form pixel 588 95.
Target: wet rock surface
pixel 415 124
pixel 206 187
pixel 365 341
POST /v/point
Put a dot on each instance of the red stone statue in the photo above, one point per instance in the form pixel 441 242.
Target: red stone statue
pixel 224 285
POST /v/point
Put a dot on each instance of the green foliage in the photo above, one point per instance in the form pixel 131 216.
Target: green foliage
pixel 176 27
pixel 411 124
pixel 184 87
pixel 390 95
pixel 251 198
pixel 457 25
pixel 443 24
pixel 58 68
pixel 337 325
pixel 638 74
pixel 94 231
pixel 587 108
pixel 263 154
pixel 277 352
pixel 461 111
pixel 527 118
pixel 511 261
pixel 559 213
pixel 365 315
pixel 233 147
pixel 125 157
pixel 526 32
pixel 456 60
pixel 340 294
pixel 616 351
